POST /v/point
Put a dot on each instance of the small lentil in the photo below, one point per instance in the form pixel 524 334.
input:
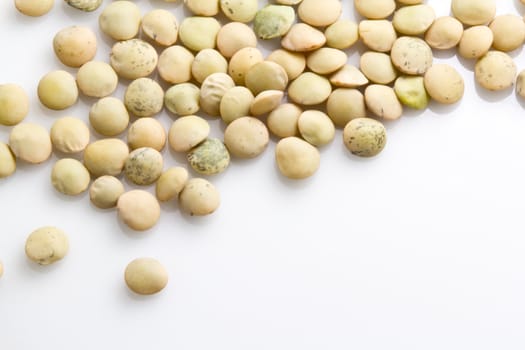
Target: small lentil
pixel 46 245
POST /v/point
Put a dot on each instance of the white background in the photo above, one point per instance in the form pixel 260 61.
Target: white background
pixel 421 247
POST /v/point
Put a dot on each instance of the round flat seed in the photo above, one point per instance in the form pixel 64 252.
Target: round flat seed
pixel 444 84
pixel 209 157
pixel 364 137
pixel 145 276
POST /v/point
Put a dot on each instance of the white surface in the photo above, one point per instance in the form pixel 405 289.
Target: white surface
pixel 419 248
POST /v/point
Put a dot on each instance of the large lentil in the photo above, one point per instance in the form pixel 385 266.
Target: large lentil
pixel 199 197
pixel 138 209
pixel 30 142
pixel 364 137
pixel 46 245
pixel 70 177
pixel 14 104
pixel 69 135
pixel 145 276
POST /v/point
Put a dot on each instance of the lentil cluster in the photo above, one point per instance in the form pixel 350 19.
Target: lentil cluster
pixel 299 94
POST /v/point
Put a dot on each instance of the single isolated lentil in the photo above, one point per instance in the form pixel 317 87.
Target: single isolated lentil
pixel 161 26
pixel 296 158
pixel 108 116
pixel 58 90
pixel 382 101
pixel 144 97
pixel 187 132
pixel 70 177
pixel 7 161
pixel 273 21
pixel 182 99
pixel 69 135
pixel 105 191
pixel 106 157
pixel 495 71
pixel 75 45
pixel 138 209
pixel 97 79
pixel 34 8
pixel 30 142
pixel 199 197
pixel 174 65
pixel 145 276
pixel 120 20
pixel 143 166
pixel 210 157
pixel 364 137
pixel 146 132
pixel 46 245
pixel 14 104
pixel 171 183
pixel 246 137
pixel 444 84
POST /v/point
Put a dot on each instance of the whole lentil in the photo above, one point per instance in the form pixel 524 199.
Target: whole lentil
pixel 445 33
pixel 296 158
pixel 235 103
pixel 106 157
pixel 69 135
pixel 309 89
pixel 411 55
pixel 70 177
pixel 210 157
pixel 377 67
pixel 144 97
pixel 161 26
pixel 14 104
pixel 120 20
pixel 30 142
pixel 282 121
pixel 364 137
pixel 508 31
pixel 7 161
pixel 199 197
pixel 444 84
pixel 145 276
pixel 138 209
pixel 234 36
pixel 171 183
pixel 199 33
pixel 146 132
pixel 212 90
pixel 182 99
pixel 474 12
pixel 203 7
pixel 34 8
pixel 475 42
pixel 239 10
pixel 316 127
pixel 97 79
pixel 375 9
pixel 174 65
pixel 242 61
pixel 207 62
pixel 410 90
pixel 187 132
pixel 319 14
pixel 75 45
pixel 326 60
pixel 495 71
pixel 382 101
pixel 265 102
pixel 46 245
pixel 246 137
pixel 345 104
pixel 377 34
pixel 342 34
pixel 105 191
pixel 414 19
pixel 266 75
pixel 133 58
pixel 58 90
pixel 143 166
pixel 273 21
pixel 109 116
pixel 303 38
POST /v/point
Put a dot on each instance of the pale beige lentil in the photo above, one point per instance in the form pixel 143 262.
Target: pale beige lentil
pixel 319 13
pixel 105 157
pixel 508 31
pixel 34 8
pixel 58 90
pixel 348 76
pixel 234 36
pixel 520 84
pixel 266 75
pixel 239 10
pixel 316 127
pixel 212 90
pixel 444 84
pixel 475 42
pixel 174 65
pixel 411 55
pixel 133 58
pixel 309 89
pixel 145 276
pixel 293 63
pixel 144 97
pixel 97 79
pixel 7 161
pixel 182 99
pixel 496 70
pixel 171 183
pixel 105 191
pixel 375 9
pixel 282 121
pixel 70 177
pixel 246 137
pixel 120 20
pixel 235 103
pixel 138 209
pixel 474 12
pixel 326 60
pixel 377 67
pixel 187 132
pixel 146 132
pixel 445 33
pixel 377 34
pixel 414 19
pixel 109 116
pixel 85 5
pixel 207 62
pixel 242 61
pixel 199 33
pixel 342 34
pixel 203 7
pixel 345 104
pixel 161 26
pixel 296 158
pixel 30 142
pixel 69 135
pixel 75 45
pixel 382 101
pixel 303 38
pixel 199 197
pixel 14 104
pixel 265 102
pixel 47 245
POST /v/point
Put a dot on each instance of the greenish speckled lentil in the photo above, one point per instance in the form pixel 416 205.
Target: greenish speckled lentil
pixel 209 157
pixel 273 21
pixel 143 166
pixel 364 137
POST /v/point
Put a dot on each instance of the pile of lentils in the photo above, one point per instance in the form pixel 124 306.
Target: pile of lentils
pixel 300 93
